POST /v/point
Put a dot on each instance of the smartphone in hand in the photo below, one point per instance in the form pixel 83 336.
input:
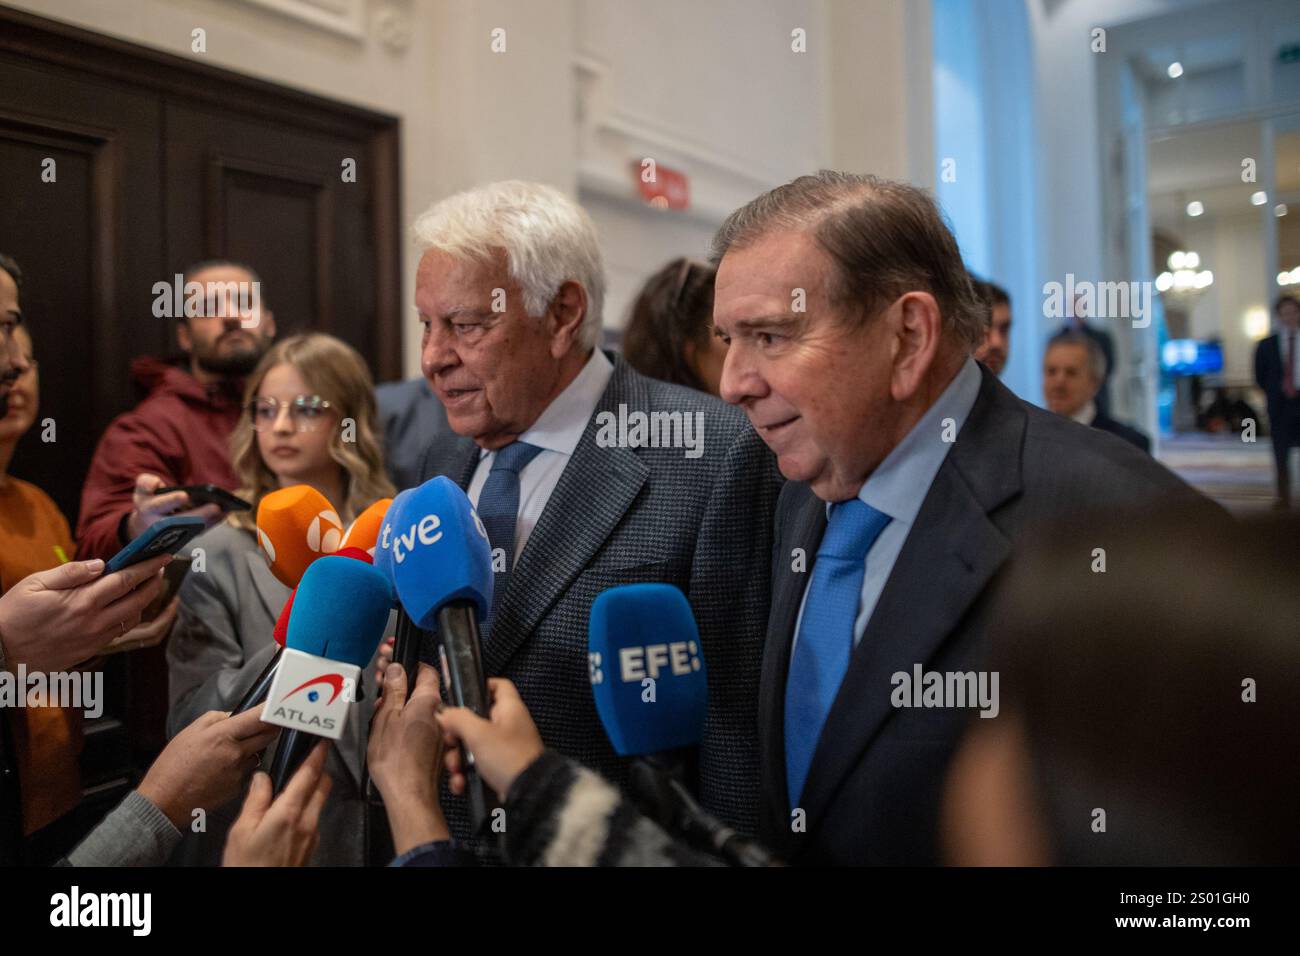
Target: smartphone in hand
pixel 166 536
pixel 210 495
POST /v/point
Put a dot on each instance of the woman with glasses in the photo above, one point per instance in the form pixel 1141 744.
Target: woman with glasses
pixel 308 418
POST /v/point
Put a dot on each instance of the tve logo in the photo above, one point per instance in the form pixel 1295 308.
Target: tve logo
pixel 638 663
pixel 425 531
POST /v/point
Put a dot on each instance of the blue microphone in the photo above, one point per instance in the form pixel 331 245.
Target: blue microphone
pixel 442 570
pixel 650 685
pixel 647 669
pixel 407 639
pixel 340 611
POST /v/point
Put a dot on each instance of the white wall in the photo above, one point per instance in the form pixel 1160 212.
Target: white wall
pixel 584 87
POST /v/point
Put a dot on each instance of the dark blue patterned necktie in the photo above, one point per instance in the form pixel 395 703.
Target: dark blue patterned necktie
pixel 498 507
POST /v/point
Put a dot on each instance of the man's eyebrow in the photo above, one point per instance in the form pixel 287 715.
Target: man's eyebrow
pixel 16 313
pixel 776 320
pixel 460 310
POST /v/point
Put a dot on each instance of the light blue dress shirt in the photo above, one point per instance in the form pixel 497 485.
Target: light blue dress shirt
pixel 900 483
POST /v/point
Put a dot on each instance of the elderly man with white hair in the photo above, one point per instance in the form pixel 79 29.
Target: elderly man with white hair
pixel 588 475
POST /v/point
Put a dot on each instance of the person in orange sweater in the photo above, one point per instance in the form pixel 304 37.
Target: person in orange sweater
pixel 180 433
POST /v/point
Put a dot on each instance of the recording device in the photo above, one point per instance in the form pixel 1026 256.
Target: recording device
pixel 165 536
pixel 210 495
pixel 650 685
pixel 442 570
pixel 295 526
pixel 339 615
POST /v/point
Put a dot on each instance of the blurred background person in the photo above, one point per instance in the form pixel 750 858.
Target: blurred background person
pixel 34 536
pixel 179 434
pixel 290 433
pixel 669 335
pixel 1073 371
pixel 996 347
pixel 1076 320
pixel 1277 372
pixel 410 418
pixel 1170 715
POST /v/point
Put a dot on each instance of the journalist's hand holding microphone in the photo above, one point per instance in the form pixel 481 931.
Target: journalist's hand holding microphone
pixel 503 745
pixel 403 756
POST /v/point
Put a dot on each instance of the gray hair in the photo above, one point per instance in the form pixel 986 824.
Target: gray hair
pixel 884 237
pixel 1096 357
pixel 548 240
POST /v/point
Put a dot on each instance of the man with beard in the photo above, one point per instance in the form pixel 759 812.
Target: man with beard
pixel 179 434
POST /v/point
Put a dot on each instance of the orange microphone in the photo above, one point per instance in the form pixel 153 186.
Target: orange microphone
pixel 364 532
pixel 295 526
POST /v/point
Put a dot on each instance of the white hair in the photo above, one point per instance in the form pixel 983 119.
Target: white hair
pixel 548 240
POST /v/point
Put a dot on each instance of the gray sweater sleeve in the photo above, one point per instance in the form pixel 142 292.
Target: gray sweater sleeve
pixel 135 834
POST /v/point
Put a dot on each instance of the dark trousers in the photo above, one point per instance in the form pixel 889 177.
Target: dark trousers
pixel 1285 421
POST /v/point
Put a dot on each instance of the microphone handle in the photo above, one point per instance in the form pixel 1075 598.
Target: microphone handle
pixel 462 664
pixel 294 748
pixel 407 639
pixel 664 798
pixel 256 694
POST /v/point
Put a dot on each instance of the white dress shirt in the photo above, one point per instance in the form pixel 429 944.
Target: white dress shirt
pixel 557 432
pixel 1086 415
pixel 899 485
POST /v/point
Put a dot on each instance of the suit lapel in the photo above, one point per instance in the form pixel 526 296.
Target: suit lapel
pixel 269 589
pixel 573 526
pixel 949 557
pixel 803 524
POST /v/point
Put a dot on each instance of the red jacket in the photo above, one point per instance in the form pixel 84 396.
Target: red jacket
pixel 180 432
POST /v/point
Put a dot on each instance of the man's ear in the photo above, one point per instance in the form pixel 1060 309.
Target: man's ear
pixel 183 338
pixel 567 313
pixel 917 328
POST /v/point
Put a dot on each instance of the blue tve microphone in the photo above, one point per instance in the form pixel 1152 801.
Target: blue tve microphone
pixel 442 570
pixel 407 639
pixel 650 686
pixel 339 612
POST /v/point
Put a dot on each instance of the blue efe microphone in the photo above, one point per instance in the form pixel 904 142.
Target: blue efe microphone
pixel 442 570
pixel 340 611
pixel 647 670
pixel 649 682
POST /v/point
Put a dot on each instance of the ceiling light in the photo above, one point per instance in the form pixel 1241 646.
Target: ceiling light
pixel 1280 209
pixel 1175 70
pixel 1259 198
pixel 1195 207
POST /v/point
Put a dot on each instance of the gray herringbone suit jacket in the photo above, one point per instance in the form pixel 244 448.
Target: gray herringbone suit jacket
pixel 635 515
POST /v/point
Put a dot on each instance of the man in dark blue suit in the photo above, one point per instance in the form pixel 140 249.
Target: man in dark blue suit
pixel 1277 372
pixel 913 475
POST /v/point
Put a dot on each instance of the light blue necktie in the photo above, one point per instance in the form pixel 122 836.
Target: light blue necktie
pixel 498 507
pixel 825 640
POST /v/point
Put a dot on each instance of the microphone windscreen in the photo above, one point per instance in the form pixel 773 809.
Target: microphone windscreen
pixel 440 553
pixel 384 543
pixel 364 531
pixel 340 611
pixel 280 634
pixel 647 669
pixel 295 526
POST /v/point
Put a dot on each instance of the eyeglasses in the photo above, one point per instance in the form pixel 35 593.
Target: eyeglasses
pixel 306 412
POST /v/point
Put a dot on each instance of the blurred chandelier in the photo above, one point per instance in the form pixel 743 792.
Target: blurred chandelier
pixel 1184 279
